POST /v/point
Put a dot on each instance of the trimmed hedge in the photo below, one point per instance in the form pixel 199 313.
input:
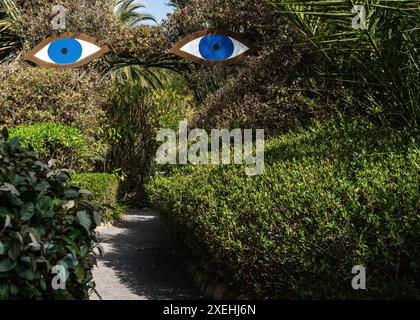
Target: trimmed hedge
pixel 104 188
pixel 64 143
pixel 44 223
pixel 332 197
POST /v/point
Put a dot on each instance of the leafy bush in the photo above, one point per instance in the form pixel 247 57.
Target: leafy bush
pixel 104 188
pixel 95 18
pixel 53 141
pixel 332 197
pixel 72 97
pixel 43 223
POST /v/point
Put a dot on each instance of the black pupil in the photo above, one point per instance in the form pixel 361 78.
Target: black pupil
pixel 64 51
pixel 216 47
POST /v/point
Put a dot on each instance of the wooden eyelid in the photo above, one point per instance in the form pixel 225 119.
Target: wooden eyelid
pixel 176 49
pixel 30 56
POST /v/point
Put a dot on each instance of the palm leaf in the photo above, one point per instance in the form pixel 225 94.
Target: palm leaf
pixel 128 11
pixel 384 55
pixel 10 42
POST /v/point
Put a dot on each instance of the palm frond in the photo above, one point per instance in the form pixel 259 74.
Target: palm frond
pixel 128 11
pixel 150 73
pixel 384 53
pixel 10 42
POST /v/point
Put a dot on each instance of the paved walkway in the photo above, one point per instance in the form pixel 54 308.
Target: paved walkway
pixel 139 262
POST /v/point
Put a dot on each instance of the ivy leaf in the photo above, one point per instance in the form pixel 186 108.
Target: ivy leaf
pixel 84 220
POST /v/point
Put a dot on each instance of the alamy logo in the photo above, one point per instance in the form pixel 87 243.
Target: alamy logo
pixel 59 20
pixel 193 147
pixel 359 21
pixel 59 281
pixel 359 280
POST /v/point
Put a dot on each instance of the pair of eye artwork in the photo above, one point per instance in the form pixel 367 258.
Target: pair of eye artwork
pixel 72 50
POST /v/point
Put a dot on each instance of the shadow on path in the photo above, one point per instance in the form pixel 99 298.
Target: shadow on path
pixel 139 262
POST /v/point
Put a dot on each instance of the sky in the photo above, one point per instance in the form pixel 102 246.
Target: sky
pixel 157 8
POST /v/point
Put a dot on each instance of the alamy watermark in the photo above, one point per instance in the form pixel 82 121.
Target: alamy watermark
pixel 59 20
pixel 359 280
pixel 59 281
pixel 359 21
pixel 193 147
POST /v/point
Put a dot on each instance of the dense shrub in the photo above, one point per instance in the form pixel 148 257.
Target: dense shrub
pixel 73 97
pixel 44 223
pixel 63 143
pixel 331 197
pixel 104 188
pixel 95 18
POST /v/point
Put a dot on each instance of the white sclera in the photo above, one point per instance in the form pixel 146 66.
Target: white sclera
pixel 87 50
pixel 193 48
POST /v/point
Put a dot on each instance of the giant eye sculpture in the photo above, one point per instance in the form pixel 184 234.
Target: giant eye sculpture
pixel 67 50
pixel 213 48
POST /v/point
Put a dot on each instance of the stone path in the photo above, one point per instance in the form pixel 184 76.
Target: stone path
pixel 139 262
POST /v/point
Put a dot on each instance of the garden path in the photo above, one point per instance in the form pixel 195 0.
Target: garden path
pixel 139 262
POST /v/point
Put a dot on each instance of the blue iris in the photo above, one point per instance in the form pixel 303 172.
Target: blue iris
pixel 216 47
pixel 65 51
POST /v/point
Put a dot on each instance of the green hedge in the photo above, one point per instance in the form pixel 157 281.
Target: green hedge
pixel 44 222
pixel 64 143
pixel 332 197
pixel 104 187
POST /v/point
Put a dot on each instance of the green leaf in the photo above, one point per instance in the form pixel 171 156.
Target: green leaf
pixel 4 291
pixel 4 212
pixel 84 220
pixel 6 264
pixel 25 269
pixel 1 248
pixel 80 273
pixel 71 194
pixel 44 205
pixel 15 248
pixel 27 211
